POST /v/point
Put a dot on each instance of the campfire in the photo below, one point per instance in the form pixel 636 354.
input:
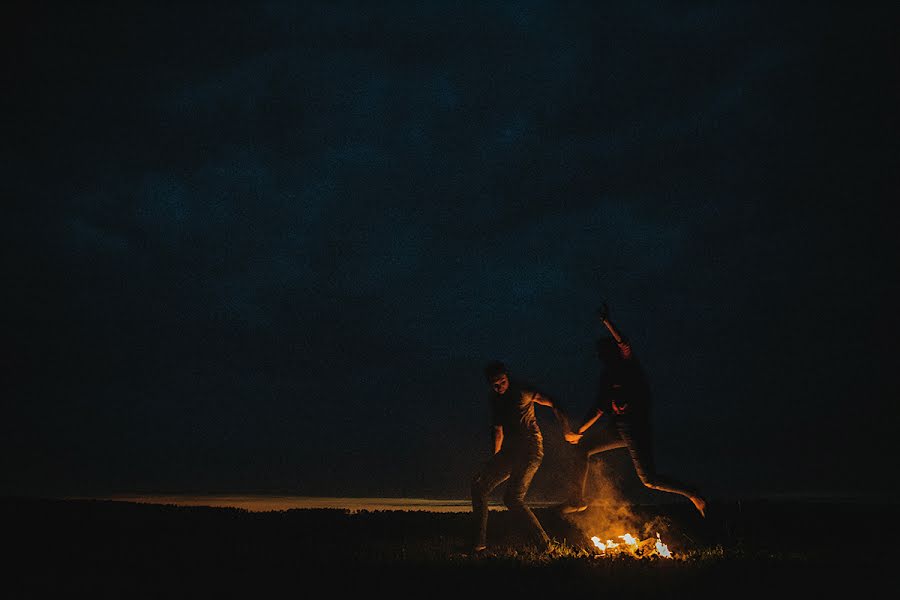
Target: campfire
pixel 632 546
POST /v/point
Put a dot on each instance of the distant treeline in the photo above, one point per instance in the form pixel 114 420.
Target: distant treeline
pixel 119 548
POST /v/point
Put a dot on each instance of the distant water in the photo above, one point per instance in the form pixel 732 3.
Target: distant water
pixel 263 503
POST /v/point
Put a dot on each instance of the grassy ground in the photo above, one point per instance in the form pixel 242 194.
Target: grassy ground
pixel 120 549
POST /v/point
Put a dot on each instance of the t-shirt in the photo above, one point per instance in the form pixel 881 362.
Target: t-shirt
pixel 514 411
pixel 622 389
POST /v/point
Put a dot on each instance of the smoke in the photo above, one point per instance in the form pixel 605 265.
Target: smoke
pixel 610 513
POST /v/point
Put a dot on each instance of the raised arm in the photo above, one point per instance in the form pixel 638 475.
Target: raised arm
pixel 624 346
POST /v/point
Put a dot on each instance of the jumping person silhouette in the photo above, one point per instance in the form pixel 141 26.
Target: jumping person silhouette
pixel 624 395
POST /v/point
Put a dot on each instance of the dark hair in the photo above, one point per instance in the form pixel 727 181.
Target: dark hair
pixel 494 368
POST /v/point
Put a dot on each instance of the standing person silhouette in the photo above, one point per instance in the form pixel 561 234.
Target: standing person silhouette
pixel 624 395
pixel 518 450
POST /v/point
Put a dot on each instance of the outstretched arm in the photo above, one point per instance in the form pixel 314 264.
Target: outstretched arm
pixel 560 415
pixel 589 419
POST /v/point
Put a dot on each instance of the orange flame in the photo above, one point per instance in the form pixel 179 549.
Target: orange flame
pixel 633 546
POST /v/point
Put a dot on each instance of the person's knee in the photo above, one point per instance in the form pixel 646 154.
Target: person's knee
pixel 649 480
pixel 513 501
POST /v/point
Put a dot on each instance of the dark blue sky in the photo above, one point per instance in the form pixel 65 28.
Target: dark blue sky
pixel 270 246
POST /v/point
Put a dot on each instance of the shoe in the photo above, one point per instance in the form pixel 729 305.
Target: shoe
pixel 572 507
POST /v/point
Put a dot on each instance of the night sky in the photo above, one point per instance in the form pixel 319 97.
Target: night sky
pixel 269 247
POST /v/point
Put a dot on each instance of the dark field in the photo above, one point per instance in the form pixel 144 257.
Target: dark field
pixel 120 549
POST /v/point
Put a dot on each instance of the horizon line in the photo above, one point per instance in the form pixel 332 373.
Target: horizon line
pixel 266 502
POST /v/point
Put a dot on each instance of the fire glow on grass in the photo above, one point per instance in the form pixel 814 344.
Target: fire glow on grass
pixel 633 546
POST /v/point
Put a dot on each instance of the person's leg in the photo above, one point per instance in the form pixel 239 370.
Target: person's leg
pixel 606 438
pixel 638 436
pixel 514 497
pixel 494 472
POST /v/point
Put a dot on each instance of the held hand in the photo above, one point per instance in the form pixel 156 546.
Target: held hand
pixel 573 438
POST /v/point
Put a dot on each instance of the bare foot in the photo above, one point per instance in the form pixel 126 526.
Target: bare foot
pixel 699 504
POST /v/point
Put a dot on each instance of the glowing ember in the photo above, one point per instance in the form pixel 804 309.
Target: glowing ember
pixel 633 546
